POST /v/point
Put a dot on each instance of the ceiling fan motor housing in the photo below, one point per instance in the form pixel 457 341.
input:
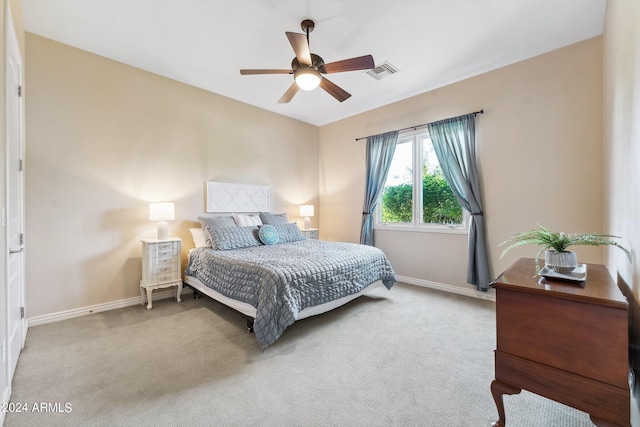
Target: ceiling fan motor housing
pixel 317 63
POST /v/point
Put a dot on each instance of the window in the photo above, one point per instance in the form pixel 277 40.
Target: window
pixel 416 195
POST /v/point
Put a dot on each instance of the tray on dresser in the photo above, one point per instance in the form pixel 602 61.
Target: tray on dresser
pixel 579 274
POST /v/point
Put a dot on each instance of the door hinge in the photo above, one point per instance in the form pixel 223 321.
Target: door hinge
pixel 21 239
pixel 22 312
pixel 20 90
pixel 20 165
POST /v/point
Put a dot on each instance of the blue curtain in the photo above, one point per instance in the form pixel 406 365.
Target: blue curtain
pixel 454 142
pixel 380 149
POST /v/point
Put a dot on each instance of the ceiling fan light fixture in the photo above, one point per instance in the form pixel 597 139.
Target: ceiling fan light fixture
pixel 307 78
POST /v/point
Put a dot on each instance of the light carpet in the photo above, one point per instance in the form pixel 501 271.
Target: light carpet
pixel 406 357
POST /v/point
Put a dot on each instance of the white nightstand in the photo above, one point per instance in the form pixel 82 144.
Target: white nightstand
pixel 160 267
pixel 310 234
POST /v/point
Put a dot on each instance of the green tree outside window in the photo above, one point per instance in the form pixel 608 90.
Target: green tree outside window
pixel 439 206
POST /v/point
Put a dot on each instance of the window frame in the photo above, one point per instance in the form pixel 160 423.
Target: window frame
pixel 417 138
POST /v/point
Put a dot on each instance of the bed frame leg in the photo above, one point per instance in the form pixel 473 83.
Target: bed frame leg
pixel 197 295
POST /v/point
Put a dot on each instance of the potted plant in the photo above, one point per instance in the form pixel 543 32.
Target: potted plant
pixel 555 245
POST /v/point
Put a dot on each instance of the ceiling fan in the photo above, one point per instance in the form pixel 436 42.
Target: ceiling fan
pixel 307 68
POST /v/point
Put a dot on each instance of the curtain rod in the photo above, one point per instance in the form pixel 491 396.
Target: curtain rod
pixel 475 113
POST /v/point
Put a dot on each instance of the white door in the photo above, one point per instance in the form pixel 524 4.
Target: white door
pixel 15 201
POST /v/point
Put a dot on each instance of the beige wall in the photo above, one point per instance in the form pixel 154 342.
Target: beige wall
pixel 622 162
pixel 104 139
pixel 622 134
pixel 539 151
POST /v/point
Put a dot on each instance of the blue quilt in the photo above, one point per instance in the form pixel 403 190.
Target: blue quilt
pixel 281 280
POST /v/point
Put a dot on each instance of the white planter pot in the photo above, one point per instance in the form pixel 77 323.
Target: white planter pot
pixel 561 262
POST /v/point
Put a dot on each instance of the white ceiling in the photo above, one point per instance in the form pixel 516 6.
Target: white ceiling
pixel 205 43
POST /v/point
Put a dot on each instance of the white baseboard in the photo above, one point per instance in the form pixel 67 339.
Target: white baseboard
pixel 489 295
pixel 84 311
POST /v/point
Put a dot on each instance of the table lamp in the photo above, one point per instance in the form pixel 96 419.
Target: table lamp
pixel 162 212
pixel 306 211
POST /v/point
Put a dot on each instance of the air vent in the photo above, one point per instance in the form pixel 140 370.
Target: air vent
pixel 383 70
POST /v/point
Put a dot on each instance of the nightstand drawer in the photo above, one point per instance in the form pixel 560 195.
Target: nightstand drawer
pixel 164 268
pixel 164 246
pixel 161 250
pixel 165 253
pixel 164 260
pixel 166 277
pixel 310 234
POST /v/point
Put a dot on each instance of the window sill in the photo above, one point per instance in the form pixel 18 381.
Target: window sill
pixel 422 229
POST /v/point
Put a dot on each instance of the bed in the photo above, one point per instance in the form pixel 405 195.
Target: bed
pixel 261 266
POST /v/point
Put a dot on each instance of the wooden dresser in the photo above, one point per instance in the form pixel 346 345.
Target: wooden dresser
pixel 562 340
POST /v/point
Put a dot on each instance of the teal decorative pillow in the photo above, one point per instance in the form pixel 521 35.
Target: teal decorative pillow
pixel 268 235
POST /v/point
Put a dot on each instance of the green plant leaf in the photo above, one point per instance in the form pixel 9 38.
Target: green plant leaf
pixel 559 241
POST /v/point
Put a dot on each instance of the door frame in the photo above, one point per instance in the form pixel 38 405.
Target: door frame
pixel 11 43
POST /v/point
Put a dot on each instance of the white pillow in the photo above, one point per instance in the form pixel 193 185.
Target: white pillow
pixel 198 237
pixel 244 220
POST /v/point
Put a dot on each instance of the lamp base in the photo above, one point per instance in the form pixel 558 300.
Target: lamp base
pixel 163 230
pixel 307 223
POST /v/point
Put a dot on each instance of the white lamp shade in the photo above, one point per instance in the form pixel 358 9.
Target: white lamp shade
pixel 162 211
pixel 306 210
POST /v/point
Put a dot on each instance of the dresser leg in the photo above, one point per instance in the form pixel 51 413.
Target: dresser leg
pixel 149 298
pixel 179 292
pixel 497 390
pixel 141 295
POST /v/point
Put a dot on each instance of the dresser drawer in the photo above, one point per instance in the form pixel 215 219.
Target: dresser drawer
pixel 569 336
pixel 165 253
pixel 164 245
pixel 164 260
pixel 311 234
pixel 165 277
pixel 163 249
pixel 164 268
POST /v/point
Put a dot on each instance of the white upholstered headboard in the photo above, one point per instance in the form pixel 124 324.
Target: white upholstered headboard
pixel 228 197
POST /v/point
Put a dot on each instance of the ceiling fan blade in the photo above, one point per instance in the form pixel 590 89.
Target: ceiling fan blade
pixel 289 94
pixel 334 90
pixel 266 71
pixel 359 63
pixel 300 47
